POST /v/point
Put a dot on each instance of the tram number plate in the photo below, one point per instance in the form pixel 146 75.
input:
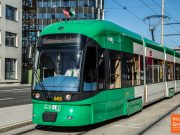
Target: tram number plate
pixel 52 107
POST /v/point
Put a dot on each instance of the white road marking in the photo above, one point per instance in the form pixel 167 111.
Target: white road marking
pixel 20 91
pixel 3 99
pixel 126 126
pixel 14 90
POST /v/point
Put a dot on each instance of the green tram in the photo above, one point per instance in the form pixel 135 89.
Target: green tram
pixel 90 71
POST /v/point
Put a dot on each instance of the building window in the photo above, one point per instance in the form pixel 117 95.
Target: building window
pixel 0 37
pixel 11 13
pixel 0 68
pixel 91 3
pixel 0 9
pixel 10 68
pixel 11 39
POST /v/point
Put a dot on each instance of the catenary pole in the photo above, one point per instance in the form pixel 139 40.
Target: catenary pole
pixel 162 24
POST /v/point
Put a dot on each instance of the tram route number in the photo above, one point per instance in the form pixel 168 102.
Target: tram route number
pixel 52 108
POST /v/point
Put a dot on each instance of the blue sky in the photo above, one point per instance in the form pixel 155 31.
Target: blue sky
pixel 141 8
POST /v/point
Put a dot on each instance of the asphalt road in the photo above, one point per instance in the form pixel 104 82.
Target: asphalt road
pixel 12 96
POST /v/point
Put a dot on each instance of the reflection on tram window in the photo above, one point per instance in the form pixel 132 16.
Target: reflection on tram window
pixel 177 70
pixel 127 70
pixel 90 79
pixel 101 69
pixel 154 70
pixel 138 70
pixel 169 71
pixel 60 63
pixel 115 69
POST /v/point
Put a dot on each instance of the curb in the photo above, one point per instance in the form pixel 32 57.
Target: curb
pixel 14 126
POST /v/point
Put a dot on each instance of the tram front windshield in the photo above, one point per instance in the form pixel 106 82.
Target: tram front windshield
pixel 58 63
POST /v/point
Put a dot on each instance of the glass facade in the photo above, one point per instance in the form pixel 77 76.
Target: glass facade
pixel 50 11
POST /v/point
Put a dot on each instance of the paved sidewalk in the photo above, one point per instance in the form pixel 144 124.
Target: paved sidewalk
pixel 12 117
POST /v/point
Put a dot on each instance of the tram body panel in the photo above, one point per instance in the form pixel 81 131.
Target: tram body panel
pixel 155 91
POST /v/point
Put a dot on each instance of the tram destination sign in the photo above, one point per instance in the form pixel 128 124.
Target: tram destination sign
pixel 61 40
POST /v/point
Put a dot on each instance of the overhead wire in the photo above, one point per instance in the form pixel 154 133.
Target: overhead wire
pixel 125 8
pixel 157 13
pixel 165 11
pixel 169 16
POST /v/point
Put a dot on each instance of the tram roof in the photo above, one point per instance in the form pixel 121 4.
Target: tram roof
pixel 86 27
pixel 91 28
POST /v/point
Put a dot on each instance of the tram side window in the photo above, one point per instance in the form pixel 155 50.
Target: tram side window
pixel 89 74
pixel 169 71
pixel 154 70
pixel 158 68
pixel 161 71
pixel 138 70
pixel 149 70
pixel 177 70
pixel 101 69
pixel 127 68
pixel 115 69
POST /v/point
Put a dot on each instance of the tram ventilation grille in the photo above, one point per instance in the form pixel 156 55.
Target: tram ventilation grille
pixel 49 116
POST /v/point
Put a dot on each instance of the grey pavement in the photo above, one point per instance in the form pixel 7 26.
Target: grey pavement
pixel 16 115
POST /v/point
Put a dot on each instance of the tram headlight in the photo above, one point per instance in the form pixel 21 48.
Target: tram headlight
pixel 37 95
pixel 68 97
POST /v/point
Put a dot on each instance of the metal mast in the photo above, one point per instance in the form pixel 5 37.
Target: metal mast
pixel 162 25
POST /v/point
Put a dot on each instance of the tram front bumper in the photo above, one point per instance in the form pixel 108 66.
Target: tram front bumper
pixel 61 115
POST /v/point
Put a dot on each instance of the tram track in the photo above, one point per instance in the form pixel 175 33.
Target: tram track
pixel 151 125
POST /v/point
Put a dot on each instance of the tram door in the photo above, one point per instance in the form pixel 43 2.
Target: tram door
pixel 114 95
pixel 94 81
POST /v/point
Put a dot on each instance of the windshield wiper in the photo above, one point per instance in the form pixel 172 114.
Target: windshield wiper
pixel 46 92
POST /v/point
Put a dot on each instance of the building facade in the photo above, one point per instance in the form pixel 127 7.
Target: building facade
pixel 50 11
pixel 10 41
